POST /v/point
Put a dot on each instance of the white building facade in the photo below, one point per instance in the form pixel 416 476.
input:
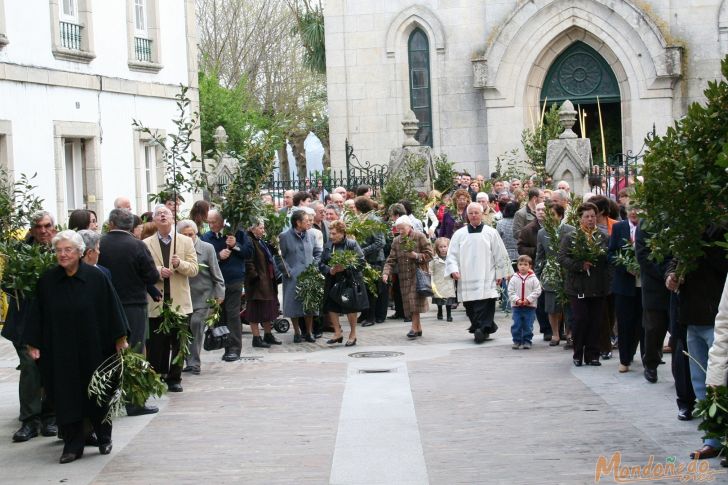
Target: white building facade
pixel 477 72
pixel 74 74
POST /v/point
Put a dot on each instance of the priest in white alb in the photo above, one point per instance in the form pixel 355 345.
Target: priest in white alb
pixel 477 259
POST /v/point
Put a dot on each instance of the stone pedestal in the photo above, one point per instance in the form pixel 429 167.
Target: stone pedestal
pixel 569 157
pixel 411 146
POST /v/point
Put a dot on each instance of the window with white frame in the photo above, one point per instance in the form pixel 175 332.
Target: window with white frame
pixel 75 172
pixel 72 32
pixel 69 11
pixel 143 35
pixel 140 18
pixel 150 173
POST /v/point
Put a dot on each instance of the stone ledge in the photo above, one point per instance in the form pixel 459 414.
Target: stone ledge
pixel 68 79
pixel 139 66
pixel 73 55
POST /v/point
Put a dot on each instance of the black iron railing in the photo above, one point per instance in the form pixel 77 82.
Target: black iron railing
pixel 620 172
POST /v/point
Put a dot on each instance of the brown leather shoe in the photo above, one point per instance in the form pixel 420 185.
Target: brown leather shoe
pixel 704 453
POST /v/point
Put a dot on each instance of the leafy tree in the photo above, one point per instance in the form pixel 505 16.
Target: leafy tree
pixel 536 140
pixel 685 186
pixel 232 108
pixel 310 27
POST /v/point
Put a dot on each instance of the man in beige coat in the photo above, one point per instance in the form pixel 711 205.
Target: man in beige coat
pixel 176 260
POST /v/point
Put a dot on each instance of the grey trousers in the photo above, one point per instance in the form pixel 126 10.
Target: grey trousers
pixel 138 318
pixel 231 314
pixel 197 326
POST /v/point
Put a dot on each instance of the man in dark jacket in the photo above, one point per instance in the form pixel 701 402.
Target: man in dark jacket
pixel 527 243
pixel 656 302
pixel 232 251
pixel 699 295
pixel 36 412
pixel 132 272
pixel 627 291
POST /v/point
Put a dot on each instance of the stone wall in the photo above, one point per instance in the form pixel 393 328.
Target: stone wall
pixel 663 54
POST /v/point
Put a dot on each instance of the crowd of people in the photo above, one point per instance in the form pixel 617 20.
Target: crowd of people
pixel 546 256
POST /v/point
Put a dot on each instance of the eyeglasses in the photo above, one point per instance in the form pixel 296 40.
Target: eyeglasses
pixel 43 226
pixel 65 250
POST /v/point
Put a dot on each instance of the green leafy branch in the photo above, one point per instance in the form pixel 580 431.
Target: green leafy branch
pixel 124 378
pixel 627 258
pixel 310 289
pixel 213 318
pixel 347 259
pixel 687 160
pixel 371 278
pixel 363 226
pixel 21 264
pixel 179 161
pixel 175 323
pixel 587 247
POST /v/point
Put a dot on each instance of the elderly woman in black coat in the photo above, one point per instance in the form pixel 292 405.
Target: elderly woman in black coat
pixel 76 325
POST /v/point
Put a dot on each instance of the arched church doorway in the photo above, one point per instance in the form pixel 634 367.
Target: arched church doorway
pixel 581 75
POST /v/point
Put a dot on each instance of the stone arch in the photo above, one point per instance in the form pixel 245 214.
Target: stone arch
pixel 723 27
pixel 534 26
pixel 407 21
pixel 534 77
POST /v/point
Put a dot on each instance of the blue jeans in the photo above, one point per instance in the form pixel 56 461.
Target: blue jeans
pixel 700 339
pixel 522 328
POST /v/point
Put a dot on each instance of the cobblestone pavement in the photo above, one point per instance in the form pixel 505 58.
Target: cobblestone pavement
pixel 461 413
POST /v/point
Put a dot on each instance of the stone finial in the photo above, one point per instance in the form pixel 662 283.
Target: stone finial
pixel 410 126
pixel 220 136
pixel 567 118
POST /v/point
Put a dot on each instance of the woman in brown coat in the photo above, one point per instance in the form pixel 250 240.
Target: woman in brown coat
pixel 408 261
pixel 261 288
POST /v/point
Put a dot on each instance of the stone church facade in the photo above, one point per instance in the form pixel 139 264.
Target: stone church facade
pixel 477 72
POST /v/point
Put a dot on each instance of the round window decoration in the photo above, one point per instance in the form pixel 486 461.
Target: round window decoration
pixel 580 74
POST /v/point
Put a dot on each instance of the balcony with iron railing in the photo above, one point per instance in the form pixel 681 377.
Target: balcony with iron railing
pixel 143 49
pixel 70 36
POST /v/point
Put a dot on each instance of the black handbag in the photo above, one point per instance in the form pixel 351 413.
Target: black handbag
pixel 216 337
pixel 350 294
pixel 424 283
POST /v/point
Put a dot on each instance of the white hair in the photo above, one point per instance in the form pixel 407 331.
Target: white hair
pixel 90 239
pixel 160 207
pixel 482 195
pixel 475 204
pixel 71 236
pixel 38 215
pixel 186 223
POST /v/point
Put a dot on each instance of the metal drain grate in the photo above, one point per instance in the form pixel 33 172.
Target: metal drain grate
pixel 375 354
pixel 251 358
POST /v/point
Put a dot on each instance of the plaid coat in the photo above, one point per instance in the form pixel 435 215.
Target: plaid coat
pixel 411 301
